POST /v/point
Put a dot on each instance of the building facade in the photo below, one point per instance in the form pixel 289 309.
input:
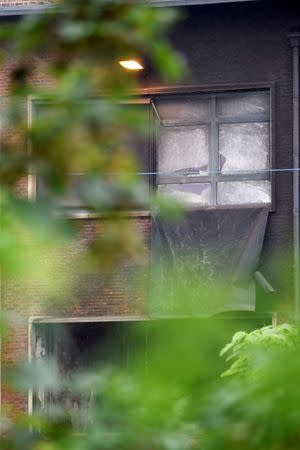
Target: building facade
pixel 228 146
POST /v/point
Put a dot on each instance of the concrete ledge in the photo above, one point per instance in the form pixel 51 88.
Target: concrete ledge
pixel 38 9
pixel 23 10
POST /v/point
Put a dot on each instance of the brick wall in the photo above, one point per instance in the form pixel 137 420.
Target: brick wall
pixel 121 294
pixel 223 45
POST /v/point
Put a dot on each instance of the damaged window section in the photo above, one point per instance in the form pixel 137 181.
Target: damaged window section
pixel 214 150
pixel 214 156
pixel 207 258
pixel 205 150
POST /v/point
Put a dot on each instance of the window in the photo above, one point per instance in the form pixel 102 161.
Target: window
pixel 137 143
pixel 206 150
pixel 214 150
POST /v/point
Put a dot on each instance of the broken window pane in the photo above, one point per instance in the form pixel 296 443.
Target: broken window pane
pixel 181 149
pixel 244 146
pixel 188 193
pixel 183 110
pixel 243 192
pixel 239 105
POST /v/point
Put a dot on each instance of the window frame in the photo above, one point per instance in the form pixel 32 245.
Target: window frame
pixel 147 96
pixel 213 123
pixel 82 211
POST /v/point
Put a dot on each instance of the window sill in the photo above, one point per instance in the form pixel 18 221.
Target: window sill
pixel 85 214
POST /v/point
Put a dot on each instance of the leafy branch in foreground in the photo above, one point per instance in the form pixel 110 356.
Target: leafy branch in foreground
pixel 244 346
pixel 79 125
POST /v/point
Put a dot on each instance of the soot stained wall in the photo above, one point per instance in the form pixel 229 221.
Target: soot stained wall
pixel 247 43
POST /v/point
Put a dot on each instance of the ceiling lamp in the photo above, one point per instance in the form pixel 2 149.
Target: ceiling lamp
pixel 131 64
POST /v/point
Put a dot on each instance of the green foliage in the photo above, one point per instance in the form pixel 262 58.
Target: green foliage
pixel 246 346
pixel 258 406
pixel 79 124
pixel 75 48
pixel 152 403
pixel 181 403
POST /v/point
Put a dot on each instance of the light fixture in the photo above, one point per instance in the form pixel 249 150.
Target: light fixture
pixel 131 64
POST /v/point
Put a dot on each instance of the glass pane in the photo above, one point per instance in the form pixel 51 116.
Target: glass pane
pixel 138 147
pixel 244 192
pixel 244 146
pixel 189 193
pixel 135 136
pixel 71 196
pixel 183 110
pixel 183 149
pixel 239 105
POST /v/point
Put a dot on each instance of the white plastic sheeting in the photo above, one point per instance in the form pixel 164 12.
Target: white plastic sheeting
pixel 203 263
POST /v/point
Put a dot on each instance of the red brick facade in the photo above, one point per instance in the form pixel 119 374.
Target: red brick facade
pixel 239 46
pixel 94 295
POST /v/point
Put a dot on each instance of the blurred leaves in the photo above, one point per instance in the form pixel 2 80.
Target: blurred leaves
pixel 32 243
pixel 258 406
pixel 74 48
pixel 51 126
pixel 245 346
pixel 172 396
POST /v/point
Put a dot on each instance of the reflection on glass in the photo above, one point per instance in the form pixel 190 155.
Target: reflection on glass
pixel 239 105
pixel 189 193
pixel 183 149
pixel 183 110
pixel 244 192
pixel 244 146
